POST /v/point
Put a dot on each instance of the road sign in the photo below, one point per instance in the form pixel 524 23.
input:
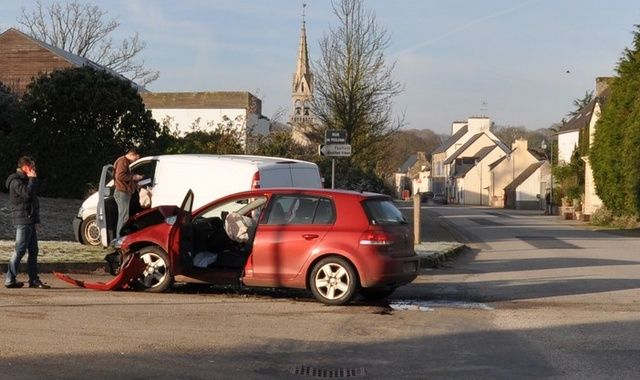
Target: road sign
pixel 335 150
pixel 335 136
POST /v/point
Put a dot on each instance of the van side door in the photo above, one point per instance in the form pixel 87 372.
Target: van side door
pixel 107 209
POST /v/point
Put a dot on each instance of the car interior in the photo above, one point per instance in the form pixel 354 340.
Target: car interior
pixel 221 238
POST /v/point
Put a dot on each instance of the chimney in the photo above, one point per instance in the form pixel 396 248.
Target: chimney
pixel 520 143
pixel 479 124
pixel 421 156
pixel 602 83
pixel 456 126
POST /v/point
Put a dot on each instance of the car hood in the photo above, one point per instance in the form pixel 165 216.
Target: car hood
pixel 150 217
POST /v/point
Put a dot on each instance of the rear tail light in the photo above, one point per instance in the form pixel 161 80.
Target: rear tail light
pixel 379 238
pixel 255 181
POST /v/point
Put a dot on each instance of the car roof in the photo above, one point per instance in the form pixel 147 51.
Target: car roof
pixel 224 157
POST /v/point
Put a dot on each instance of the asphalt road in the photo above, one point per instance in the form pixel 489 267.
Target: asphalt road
pixel 532 298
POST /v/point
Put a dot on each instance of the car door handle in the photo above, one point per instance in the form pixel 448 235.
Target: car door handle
pixel 310 236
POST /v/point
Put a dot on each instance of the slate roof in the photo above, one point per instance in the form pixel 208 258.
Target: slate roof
pixel 580 120
pixel 464 146
pixel 462 170
pixel 496 162
pixel 451 140
pixel 408 163
pixel 482 153
pixel 523 176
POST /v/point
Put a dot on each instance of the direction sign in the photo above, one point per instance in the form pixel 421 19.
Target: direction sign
pixel 335 136
pixel 335 150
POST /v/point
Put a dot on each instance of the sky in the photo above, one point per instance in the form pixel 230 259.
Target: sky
pixel 520 62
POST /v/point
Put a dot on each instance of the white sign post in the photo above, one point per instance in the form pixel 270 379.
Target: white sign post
pixel 335 146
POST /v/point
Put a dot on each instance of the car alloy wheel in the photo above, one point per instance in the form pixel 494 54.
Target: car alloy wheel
pixel 90 231
pixel 333 281
pixel 156 276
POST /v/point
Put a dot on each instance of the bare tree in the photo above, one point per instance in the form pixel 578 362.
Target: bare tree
pixel 354 87
pixel 85 29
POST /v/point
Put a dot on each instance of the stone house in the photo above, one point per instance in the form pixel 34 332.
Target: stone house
pixel 413 175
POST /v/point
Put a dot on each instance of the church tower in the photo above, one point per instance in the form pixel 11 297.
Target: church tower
pixel 302 91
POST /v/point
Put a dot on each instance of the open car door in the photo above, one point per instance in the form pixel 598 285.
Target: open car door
pixel 133 267
pixel 181 239
pixel 107 209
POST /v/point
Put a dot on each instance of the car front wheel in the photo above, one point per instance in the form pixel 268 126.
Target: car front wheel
pixel 89 231
pixel 333 281
pixel 156 277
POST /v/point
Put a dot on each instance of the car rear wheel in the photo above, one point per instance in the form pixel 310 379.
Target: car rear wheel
pixel 89 231
pixel 157 276
pixel 333 281
pixel 374 294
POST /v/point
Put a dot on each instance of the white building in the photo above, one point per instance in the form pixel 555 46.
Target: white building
pixel 185 112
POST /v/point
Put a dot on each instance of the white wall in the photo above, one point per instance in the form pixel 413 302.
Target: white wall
pixel 530 188
pixel 183 119
pixel 567 143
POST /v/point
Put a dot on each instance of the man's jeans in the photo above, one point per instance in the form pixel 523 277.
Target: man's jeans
pixel 122 200
pixel 26 240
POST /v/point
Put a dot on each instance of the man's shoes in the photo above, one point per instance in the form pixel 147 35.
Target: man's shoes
pixel 39 285
pixel 14 285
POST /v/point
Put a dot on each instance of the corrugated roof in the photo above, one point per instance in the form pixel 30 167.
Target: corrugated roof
pixel 452 140
pixel 524 175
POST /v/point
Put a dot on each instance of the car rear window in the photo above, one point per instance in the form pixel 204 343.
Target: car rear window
pixel 383 212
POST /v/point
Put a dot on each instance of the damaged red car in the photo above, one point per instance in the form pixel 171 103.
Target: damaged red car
pixel 337 244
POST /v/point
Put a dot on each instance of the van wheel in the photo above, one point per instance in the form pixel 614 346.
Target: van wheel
pixel 156 277
pixel 89 231
pixel 333 281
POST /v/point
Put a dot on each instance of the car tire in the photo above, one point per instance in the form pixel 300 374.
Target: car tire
pixel 157 276
pixel 374 294
pixel 89 231
pixel 333 281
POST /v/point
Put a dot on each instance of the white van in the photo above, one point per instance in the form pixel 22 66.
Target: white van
pixel 209 176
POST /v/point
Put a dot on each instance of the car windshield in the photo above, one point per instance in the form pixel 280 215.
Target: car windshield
pixel 383 212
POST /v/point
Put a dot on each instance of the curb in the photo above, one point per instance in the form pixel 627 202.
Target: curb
pixel 430 259
pixel 62 267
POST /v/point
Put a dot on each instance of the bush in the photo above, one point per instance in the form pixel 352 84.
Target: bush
pixel 602 217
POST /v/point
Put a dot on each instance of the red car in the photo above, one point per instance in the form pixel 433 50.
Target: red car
pixel 335 243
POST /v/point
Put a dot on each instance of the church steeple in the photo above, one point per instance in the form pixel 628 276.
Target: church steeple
pixel 302 91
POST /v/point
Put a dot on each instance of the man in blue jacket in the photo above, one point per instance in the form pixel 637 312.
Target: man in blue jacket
pixel 25 215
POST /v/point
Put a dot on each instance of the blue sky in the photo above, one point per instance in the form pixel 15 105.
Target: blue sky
pixel 451 56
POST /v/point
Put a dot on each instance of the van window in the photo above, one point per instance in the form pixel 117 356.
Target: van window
pixel 299 210
pixel 383 212
pixel 146 169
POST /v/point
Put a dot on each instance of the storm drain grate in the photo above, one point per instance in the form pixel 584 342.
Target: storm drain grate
pixel 323 373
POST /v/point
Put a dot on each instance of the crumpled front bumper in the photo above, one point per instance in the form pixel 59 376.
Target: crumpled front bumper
pixel 131 269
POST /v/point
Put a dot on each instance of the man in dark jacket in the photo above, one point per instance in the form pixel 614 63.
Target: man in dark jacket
pixel 25 215
pixel 125 183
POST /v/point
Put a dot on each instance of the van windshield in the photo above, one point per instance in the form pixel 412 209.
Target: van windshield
pixel 383 212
